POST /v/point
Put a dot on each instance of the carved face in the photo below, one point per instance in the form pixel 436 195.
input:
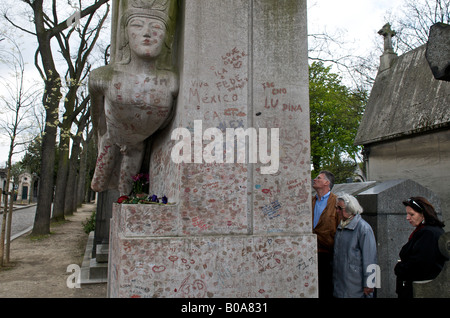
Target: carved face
pixel 146 36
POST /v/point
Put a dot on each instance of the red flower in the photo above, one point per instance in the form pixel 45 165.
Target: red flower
pixel 122 198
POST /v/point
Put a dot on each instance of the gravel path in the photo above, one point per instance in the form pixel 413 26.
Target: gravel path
pixel 38 268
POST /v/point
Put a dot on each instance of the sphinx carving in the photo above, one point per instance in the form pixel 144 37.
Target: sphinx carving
pixel 133 97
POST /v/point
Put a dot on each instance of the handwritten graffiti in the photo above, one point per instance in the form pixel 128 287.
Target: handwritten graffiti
pixel 186 263
pixel 102 155
pixel 173 259
pixel 195 288
pixel 227 85
pixel 158 269
pixel 273 103
pixel 194 96
pixel 272 98
pixel 267 261
pixel 198 222
pixel 232 83
pixel 235 57
pixel 292 108
pixel 272 210
pixel 234 112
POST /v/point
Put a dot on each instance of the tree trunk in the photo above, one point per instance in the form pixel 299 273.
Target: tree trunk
pixel 6 221
pixel 72 178
pixel 45 196
pixel 50 100
pixel 61 180
pixel 8 232
pixel 3 230
pixel 81 184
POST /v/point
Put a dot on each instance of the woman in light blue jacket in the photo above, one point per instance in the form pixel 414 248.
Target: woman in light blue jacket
pixel 355 252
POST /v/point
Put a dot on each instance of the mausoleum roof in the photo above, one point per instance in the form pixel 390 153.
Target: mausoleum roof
pixel 405 100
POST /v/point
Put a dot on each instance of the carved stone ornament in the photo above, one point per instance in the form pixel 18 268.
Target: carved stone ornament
pixel 133 97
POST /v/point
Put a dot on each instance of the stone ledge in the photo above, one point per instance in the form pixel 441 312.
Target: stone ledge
pixel 214 266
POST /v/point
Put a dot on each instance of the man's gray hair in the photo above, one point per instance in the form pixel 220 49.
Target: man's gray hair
pixel 351 203
pixel 329 176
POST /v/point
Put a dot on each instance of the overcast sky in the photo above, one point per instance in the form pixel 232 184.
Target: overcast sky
pixel 360 20
pixel 356 20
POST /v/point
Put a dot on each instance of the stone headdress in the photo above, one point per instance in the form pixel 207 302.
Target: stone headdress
pixel 158 9
pixel 162 10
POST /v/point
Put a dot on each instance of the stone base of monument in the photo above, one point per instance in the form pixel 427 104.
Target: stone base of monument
pixel 150 258
pixel 94 270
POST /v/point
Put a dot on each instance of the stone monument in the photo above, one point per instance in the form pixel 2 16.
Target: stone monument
pixel 232 158
pixel 389 56
pixel 437 53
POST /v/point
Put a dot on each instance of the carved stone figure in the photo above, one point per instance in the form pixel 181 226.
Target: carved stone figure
pixel 133 97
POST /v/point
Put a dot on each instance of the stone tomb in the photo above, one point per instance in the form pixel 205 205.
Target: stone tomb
pixel 156 263
pixel 240 229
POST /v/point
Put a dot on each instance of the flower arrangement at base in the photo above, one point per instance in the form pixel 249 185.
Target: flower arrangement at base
pixel 137 197
pixel 153 199
pixel 139 181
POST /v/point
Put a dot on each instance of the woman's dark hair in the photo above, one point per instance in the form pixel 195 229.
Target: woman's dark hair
pixel 422 205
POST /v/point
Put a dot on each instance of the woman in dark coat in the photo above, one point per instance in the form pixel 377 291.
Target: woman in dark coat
pixel 420 258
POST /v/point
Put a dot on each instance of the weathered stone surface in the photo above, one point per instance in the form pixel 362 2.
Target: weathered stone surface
pixel 234 229
pixel 405 100
pixel 438 53
pixel 240 71
pixel 141 220
pixel 405 127
pixel 132 97
pixel 389 56
pixel 210 266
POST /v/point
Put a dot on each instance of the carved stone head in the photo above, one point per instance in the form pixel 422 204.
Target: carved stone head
pixel 161 14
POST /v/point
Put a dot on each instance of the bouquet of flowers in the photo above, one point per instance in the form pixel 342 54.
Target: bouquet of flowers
pixel 137 197
pixel 139 181
pixel 153 199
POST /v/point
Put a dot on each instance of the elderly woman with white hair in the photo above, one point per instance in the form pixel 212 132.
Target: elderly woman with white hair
pixel 354 251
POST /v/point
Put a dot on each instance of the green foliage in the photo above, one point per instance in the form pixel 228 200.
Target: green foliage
pixel 89 225
pixel 342 170
pixel 336 112
pixel 31 161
